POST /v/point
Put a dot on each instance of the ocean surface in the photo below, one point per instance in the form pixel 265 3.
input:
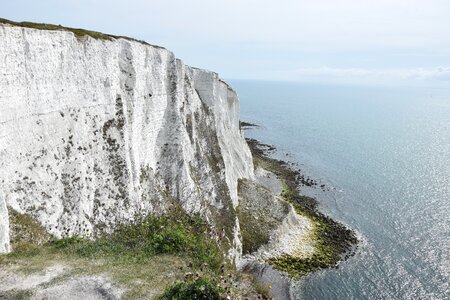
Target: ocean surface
pixel 384 155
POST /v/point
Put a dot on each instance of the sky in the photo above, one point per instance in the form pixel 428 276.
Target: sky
pixel 356 41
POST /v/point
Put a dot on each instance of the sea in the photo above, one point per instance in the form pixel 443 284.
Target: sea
pixel 383 154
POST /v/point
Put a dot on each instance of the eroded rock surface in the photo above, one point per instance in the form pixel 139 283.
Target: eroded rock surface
pixel 269 225
pixel 4 226
pixel 97 132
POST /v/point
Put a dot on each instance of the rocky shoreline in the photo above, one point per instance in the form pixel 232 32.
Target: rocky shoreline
pixel 334 241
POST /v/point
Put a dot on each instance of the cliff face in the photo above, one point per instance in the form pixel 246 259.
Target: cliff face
pixel 98 132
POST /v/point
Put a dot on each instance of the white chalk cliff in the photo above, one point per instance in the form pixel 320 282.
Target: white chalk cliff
pixel 95 132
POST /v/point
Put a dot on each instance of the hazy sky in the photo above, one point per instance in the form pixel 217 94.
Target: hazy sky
pixel 312 40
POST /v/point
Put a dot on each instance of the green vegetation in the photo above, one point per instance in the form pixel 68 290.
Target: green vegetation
pixel 25 232
pixel 332 239
pixel 263 290
pixel 144 256
pixel 253 235
pixel 173 234
pixel 16 294
pixel 173 255
pixel 201 288
pixel 77 31
pixel 258 213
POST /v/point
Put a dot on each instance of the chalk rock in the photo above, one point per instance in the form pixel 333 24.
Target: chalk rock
pixel 95 132
pixel 4 227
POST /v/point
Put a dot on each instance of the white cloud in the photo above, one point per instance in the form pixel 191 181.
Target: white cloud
pixel 372 75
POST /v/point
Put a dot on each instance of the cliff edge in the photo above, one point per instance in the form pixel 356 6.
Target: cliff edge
pixel 97 132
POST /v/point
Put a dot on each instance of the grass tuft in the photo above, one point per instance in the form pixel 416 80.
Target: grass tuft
pixel 201 288
pixel 25 231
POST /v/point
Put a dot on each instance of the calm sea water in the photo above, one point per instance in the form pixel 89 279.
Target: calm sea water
pixel 384 154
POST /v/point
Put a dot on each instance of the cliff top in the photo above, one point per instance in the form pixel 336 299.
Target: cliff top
pixel 79 32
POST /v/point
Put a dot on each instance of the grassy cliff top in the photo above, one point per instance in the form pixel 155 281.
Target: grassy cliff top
pixel 79 32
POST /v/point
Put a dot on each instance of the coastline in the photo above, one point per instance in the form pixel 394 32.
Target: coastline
pixel 140 241
pixel 334 242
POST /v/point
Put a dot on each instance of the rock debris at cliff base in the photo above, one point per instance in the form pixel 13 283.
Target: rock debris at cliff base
pixel 333 241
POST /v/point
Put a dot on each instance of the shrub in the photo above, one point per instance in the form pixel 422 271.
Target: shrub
pixel 198 289
pixel 176 233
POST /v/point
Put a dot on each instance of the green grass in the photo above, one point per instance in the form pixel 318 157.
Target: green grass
pixel 138 278
pixel 201 288
pixel 173 234
pixel 16 294
pixel 148 255
pixel 252 234
pixel 79 32
pixel 263 290
pixel 258 214
pixel 25 231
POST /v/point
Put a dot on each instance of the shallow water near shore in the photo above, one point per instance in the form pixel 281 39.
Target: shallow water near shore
pixel 383 154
